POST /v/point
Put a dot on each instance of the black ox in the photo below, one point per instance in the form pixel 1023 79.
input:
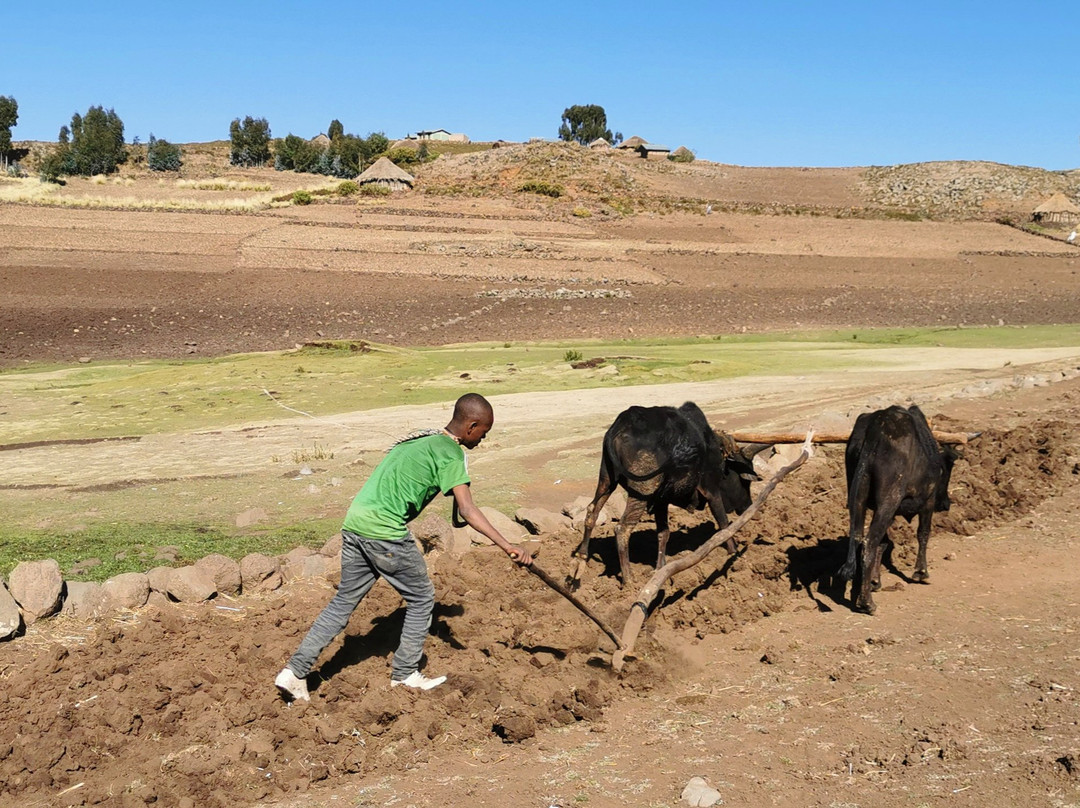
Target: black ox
pixel 895 467
pixel 666 456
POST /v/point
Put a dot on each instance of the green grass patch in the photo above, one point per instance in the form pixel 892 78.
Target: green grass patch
pixel 101 400
pixel 131 547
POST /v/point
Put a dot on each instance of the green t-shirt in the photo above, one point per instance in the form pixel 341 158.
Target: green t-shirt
pixel 402 485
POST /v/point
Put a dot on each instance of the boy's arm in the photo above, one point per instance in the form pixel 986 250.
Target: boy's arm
pixel 468 510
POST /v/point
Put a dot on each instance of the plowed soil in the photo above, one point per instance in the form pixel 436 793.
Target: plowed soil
pixel 752 671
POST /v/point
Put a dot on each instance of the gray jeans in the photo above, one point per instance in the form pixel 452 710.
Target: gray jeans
pixel 364 561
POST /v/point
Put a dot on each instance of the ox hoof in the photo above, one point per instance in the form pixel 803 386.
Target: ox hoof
pixel 866 608
pixel 920 577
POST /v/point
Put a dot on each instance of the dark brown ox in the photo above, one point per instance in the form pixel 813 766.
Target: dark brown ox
pixel 666 456
pixel 894 467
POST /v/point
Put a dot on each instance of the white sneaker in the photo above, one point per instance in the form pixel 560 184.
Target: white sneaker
pixel 292 687
pixel 418 681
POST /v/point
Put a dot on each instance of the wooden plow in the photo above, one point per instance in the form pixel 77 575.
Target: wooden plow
pixel 624 643
pixel 639 612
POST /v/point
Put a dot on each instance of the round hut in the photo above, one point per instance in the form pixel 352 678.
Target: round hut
pixel 384 172
pixel 631 143
pixel 1058 209
pixel 600 143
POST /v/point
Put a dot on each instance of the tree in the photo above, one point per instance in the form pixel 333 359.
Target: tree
pixel 335 130
pixel 96 143
pixel 293 153
pixel 9 116
pixel 161 155
pixel 249 142
pixel 584 123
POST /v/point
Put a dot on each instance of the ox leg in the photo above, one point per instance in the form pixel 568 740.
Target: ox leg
pixel 635 509
pixel 875 581
pixel 663 533
pixel 922 571
pixel 604 488
pixel 716 508
pixel 871 559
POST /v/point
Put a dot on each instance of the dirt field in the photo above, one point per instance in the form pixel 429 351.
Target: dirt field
pixel 754 673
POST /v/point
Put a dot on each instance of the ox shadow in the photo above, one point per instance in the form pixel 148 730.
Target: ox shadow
pixel 817 567
pixel 644 545
pixel 382 640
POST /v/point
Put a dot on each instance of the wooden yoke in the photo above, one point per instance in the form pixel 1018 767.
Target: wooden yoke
pixel 835 437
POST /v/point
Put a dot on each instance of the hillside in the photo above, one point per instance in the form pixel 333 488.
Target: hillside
pixel 565 176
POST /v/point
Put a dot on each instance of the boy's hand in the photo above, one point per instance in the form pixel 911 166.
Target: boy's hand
pixel 520 555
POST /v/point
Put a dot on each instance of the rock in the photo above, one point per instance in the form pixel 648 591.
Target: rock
pixel 432 531
pixel 577 509
pixel 541 522
pixel 225 572
pixel 85 600
pixel 515 727
pixel 510 530
pixel 158 578
pixel 305 566
pixel 169 552
pixel 129 590
pixel 332 547
pixel 459 543
pixel 10 619
pixel 260 573
pixel 250 517
pixel 700 793
pixel 37 587
pixel 82 567
pixel 332 572
pixel 191 585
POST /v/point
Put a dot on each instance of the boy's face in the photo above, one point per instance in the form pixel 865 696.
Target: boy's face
pixel 475 432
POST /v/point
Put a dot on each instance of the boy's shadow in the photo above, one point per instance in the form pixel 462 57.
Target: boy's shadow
pixel 383 638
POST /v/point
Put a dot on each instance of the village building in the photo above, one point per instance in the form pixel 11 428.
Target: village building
pixel 631 143
pixel 384 172
pixel 600 143
pixel 321 140
pixel 653 151
pixel 1058 209
pixel 440 134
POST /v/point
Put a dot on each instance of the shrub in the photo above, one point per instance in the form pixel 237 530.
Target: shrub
pixel 301 198
pixel 572 356
pixel 582 213
pixel 161 155
pixel 403 156
pixel 542 188
pixel 347 188
pixel 374 189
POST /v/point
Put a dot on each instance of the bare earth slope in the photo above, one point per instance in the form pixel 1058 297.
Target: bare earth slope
pixel 754 671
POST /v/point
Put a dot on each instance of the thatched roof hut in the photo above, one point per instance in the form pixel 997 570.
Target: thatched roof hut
pixel 1058 208
pixel 599 143
pixel 631 142
pixel 321 140
pixel 682 155
pixel 384 172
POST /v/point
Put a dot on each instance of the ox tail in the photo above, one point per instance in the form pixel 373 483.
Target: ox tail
pixel 858 495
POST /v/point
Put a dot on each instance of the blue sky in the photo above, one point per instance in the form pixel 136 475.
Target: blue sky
pixel 757 84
